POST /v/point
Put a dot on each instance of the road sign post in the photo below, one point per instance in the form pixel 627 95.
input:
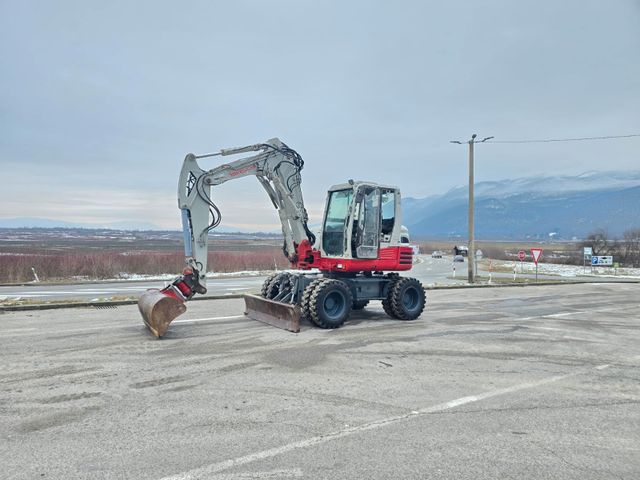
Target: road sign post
pixel 522 255
pixel 536 253
pixel 588 252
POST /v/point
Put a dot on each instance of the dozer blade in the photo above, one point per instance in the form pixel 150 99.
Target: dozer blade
pixel 159 310
pixel 281 315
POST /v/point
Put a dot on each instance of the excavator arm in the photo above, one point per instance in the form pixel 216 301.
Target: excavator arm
pixel 277 167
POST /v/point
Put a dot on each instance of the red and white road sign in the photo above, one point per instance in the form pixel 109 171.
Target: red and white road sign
pixel 522 255
pixel 535 253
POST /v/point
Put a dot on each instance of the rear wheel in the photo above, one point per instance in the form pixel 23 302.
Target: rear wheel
pixel 406 299
pixel 329 303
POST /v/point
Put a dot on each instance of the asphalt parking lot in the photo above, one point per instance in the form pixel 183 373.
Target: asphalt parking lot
pixel 536 382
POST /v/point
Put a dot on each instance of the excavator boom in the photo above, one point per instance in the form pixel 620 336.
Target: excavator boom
pixel 277 168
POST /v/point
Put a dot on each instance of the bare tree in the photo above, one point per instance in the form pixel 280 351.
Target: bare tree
pixel 601 243
pixel 631 247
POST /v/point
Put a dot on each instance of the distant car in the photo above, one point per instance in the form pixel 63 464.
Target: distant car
pixel 436 254
pixel 458 258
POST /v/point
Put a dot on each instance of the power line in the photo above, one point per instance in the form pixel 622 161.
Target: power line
pixel 579 139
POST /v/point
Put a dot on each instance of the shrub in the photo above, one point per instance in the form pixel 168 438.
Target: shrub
pixel 15 268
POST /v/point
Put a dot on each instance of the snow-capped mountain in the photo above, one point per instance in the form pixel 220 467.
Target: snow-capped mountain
pixel 564 206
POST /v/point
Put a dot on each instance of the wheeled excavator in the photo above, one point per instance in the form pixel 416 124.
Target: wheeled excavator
pixel 355 258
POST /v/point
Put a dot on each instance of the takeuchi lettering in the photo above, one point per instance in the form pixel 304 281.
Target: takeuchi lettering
pixel 240 171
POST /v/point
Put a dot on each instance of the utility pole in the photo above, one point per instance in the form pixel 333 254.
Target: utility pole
pixel 471 256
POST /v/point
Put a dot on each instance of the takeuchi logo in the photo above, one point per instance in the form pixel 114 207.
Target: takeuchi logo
pixel 241 171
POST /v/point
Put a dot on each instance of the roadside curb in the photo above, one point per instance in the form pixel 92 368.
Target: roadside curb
pixel 116 303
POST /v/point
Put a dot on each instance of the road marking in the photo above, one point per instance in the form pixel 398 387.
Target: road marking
pixel 209 471
pixel 113 327
pixel 564 314
pixel 18 330
pixel 208 319
pixel 288 473
pixel 602 367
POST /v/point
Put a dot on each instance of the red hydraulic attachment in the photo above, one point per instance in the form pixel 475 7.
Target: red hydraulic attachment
pixel 159 307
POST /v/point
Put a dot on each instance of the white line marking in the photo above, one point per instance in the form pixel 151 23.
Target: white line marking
pixel 563 314
pixel 209 470
pixel 602 367
pixel 289 473
pixel 113 327
pixel 16 330
pixel 208 319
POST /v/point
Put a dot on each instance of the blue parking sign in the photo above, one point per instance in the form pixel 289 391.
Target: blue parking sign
pixel 594 260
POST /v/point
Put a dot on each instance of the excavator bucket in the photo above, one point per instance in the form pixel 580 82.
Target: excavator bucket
pixel 281 315
pixel 159 310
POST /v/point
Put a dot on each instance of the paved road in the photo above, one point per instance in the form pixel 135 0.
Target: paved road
pixel 428 270
pixel 106 290
pixel 534 382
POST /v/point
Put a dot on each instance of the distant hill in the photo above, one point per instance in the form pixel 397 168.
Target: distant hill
pixel 27 222
pixel 532 207
pixel 562 207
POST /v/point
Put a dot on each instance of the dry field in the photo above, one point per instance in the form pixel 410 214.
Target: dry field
pixel 68 254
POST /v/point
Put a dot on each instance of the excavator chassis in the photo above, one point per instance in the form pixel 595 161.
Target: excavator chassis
pixel 327 300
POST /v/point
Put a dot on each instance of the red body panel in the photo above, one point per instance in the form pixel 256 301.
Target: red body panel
pixel 390 259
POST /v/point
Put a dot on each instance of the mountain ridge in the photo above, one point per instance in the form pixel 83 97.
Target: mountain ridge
pixel 532 207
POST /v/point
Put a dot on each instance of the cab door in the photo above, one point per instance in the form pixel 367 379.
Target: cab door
pixel 366 225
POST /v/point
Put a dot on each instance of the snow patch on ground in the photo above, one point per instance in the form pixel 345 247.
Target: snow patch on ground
pixel 171 276
pixel 570 270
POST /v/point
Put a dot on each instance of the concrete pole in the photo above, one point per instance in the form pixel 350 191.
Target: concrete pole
pixel 471 258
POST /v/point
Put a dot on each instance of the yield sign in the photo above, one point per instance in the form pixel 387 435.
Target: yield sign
pixel 535 253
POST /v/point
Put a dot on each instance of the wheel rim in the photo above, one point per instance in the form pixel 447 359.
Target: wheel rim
pixel 334 304
pixel 410 299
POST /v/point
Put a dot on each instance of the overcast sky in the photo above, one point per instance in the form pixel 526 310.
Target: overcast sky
pixel 101 100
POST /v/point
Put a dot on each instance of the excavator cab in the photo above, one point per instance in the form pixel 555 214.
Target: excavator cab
pixel 359 220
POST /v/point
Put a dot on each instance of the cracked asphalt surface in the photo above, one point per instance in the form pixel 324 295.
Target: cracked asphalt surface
pixel 536 382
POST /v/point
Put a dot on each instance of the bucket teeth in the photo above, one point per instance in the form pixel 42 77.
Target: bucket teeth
pixel 159 310
pixel 281 315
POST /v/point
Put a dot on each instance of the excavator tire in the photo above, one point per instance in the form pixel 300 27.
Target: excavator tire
pixel 406 299
pixel 265 284
pixel 359 304
pixel 305 310
pixel 278 284
pixel 329 303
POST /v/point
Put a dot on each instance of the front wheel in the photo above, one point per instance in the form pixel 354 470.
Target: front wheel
pixel 406 299
pixel 330 303
pixel 276 285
